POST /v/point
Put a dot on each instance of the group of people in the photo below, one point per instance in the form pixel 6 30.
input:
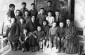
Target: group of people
pixel 33 30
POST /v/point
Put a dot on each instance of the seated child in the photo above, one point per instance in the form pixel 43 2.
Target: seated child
pixel 40 36
pixel 23 39
pixel 52 35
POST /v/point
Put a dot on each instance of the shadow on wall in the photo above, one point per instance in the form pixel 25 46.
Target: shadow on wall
pixel 4 5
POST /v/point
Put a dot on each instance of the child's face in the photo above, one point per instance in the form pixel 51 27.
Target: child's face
pixel 26 13
pixel 57 13
pixel 17 13
pixel 49 14
pixel 68 21
pixel 33 18
pixel 54 25
pixel 12 20
pixel 61 24
pixel 49 4
pixel 25 31
pixel 39 28
pixel 44 23
pixel 42 11
pixel 21 20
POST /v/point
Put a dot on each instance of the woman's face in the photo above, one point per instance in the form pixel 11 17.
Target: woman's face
pixel 39 28
pixel 42 11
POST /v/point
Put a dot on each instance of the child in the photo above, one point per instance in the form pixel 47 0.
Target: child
pixel 10 13
pixel 41 16
pixel 61 35
pixel 33 11
pixel 50 18
pixel 40 36
pixel 18 15
pixel 23 39
pixel 53 35
pixel 13 35
pixel 23 9
pixel 27 16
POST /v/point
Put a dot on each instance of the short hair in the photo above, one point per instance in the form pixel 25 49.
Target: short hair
pixel 17 10
pixel 50 1
pixel 11 5
pixel 24 3
pixel 42 8
pixel 57 10
pixel 33 4
pixel 49 11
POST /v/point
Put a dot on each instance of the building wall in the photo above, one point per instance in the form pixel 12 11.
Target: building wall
pixel 4 5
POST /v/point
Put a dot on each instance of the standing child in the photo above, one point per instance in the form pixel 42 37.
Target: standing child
pixel 50 18
pixel 10 13
pixel 53 35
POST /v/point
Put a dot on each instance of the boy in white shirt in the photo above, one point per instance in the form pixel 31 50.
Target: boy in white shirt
pixel 50 18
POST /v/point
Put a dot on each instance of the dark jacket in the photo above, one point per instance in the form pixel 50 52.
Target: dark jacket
pixel 14 33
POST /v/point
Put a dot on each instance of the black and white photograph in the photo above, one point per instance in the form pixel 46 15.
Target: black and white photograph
pixel 42 27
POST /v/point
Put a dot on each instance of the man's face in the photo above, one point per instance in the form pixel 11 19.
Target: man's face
pixel 23 6
pixel 12 8
pixel 61 24
pixel 17 13
pixel 33 6
pixel 57 13
pixel 68 21
pixel 49 4
pixel 39 28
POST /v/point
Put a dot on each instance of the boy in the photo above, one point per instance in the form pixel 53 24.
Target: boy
pixel 10 13
pixel 23 9
pixel 13 35
pixel 41 16
pixel 40 36
pixel 61 35
pixel 33 11
pixel 23 39
pixel 50 18
pixel 53 35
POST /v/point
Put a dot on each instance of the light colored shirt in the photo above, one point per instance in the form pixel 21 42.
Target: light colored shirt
pixel 50 20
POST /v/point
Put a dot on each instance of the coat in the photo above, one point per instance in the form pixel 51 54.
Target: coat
pixel 14 33
pixel 34 12
pixel 31 27
pixel 71 40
